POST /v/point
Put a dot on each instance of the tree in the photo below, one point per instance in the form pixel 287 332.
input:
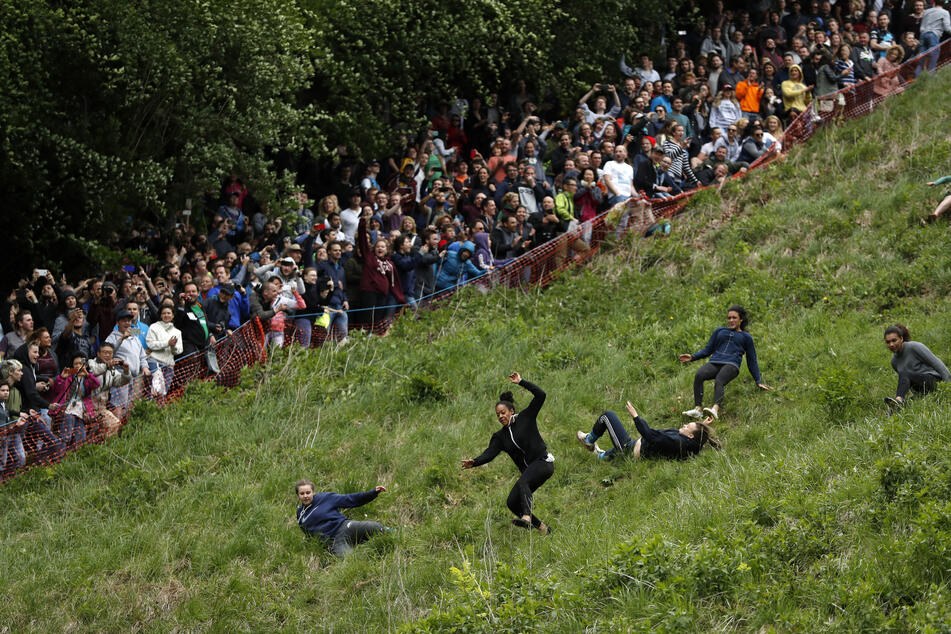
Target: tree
pixel 114 112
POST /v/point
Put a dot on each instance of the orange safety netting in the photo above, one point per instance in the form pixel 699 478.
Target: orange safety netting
pixel 44 438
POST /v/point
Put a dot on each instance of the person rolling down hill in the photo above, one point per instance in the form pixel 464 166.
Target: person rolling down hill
pixel 519 438
pixel 727 346
pixel 318 514
pixel 917 367
pixel 672 444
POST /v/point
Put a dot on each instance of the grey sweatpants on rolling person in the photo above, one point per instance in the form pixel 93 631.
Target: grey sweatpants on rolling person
pixel 352 533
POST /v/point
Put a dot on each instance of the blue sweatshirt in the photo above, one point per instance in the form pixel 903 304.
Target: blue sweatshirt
pixel 321 516
pixel 728 346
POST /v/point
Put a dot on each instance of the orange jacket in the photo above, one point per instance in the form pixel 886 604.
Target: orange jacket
pixel 749 96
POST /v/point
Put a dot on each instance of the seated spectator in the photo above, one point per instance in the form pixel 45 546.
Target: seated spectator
pixel 72 390
pixel 218 312
pixel 618 177
pixel 709 167
pixel 753 146
pixel 675 148
pixel 888 81
pixel 731 142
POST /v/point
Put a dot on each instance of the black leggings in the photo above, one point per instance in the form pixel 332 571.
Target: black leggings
pixel 921 383
pixel 520 497
pixel 722 373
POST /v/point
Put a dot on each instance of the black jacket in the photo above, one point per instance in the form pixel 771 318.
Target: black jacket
pixel 520 438
pixel 32 399
pixel 193 335
pixel 217 317
pixel 665 443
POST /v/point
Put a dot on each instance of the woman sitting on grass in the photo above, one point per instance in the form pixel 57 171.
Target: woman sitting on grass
pixel 917 367
pixel 318 514
pixel 727 346
pixel 672 444
pixel 519 438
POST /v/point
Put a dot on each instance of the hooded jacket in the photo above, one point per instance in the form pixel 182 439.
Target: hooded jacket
pixel 455 270
pixel 482 255
pixel 795 96
pixel 322 517
pixel 379 276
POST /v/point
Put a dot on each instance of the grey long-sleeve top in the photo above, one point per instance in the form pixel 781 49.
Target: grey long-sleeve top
pixel 916 358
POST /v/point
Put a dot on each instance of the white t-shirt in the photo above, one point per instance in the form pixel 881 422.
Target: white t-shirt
pixel 349 219
pixel 622 176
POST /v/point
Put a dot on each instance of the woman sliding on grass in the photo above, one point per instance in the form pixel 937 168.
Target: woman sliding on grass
pixel 673 444
pixel 519 438
pixel 319 515
pixel 945 202
pixel 727 345
pixel 917 367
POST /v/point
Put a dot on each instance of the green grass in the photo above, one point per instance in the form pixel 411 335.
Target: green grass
pixel 821 512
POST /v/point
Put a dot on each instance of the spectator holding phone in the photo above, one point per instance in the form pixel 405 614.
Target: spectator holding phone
pixel 72 390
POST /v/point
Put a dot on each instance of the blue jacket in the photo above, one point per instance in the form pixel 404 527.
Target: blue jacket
pixel 406 269
pixel 455 270
pixel 728 346
pixel 321 516
pixel 239 307
pixel 338 277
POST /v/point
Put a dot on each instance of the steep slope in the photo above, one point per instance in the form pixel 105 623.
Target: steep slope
pixel 821 512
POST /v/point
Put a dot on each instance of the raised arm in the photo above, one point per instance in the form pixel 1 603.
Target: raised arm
pixel 353 500
pixel 538 394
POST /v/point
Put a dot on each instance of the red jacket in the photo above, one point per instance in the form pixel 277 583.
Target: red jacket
pixel 379 276
pixel 62 386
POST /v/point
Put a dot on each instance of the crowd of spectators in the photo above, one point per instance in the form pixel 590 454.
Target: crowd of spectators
pixel 491 178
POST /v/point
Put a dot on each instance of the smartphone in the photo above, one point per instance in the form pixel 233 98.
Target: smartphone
pixel 42 272
pixel 72 371
pixel 129 268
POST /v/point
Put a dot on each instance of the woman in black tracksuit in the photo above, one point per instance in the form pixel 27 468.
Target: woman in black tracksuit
pixel 519 438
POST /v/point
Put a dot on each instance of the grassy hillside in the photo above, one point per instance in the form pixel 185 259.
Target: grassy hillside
pixel 820 513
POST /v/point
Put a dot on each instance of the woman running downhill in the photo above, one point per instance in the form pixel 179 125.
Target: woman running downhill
pixel 519 438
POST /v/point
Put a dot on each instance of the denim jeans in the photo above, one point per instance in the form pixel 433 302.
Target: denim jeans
pixel 304 326
pixel 927 41
pixel 72 430
pixel 339 323
pixel 12 442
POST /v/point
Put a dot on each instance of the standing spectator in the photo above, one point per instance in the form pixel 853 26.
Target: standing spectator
pixel 379 280
pixel 101 314
pixel 13 419
pixel 333 269
pixel 190 319
pixel 72 390
pixel 619 177
pixel 31 385
pixel 113 374
pixel 75 337
pixel 600 104
pixel 47 363
pixel 749 92
pixel 217 311
pixel 796 95
pixel 165 342
pixel 12 341
pixel 863 56
pixel 262 307
pixel 350 216
pixel 935 22
pixel 888 81
pixel 726 109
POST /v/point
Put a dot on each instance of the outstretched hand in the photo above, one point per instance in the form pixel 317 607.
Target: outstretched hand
pixel 515 377
pixel 468 463
pixel 380 488
pixel 631 410
pixel 763 386
pixel 686 358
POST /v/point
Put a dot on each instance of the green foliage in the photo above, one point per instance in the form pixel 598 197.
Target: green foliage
pixel 821 513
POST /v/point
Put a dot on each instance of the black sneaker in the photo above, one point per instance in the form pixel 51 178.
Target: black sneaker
pixel 894 403
pixel 522 523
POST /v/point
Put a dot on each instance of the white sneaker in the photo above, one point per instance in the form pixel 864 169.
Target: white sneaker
pixel 583 439
pixel 711 412
pixel 693 413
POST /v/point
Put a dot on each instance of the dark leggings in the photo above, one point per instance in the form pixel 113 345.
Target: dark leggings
pixel 609 422
pixel 520 497
pixel 722 373
pixel 352 533
pixel 921 383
